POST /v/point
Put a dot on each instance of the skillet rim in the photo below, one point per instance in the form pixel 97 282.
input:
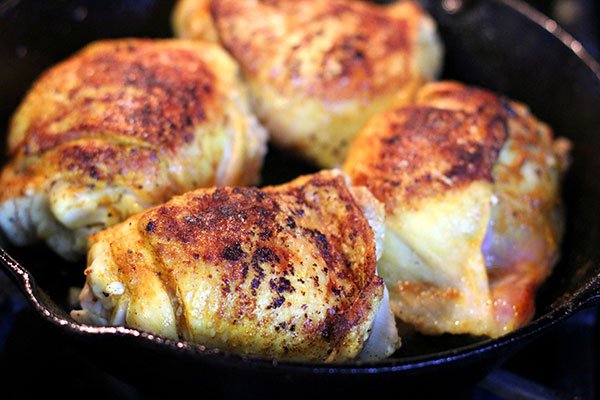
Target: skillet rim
pixel 586 295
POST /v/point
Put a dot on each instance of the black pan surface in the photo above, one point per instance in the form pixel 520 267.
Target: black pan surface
pixel 502 45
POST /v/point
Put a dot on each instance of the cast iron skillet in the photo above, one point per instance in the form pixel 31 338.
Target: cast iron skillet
pixel 503 45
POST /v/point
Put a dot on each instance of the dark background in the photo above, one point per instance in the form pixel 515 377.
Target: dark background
pixel 35 34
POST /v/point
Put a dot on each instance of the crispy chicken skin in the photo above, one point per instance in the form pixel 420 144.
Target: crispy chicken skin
pixel 471 186
pixel 285 271
pixel 121 126
pixel 318 69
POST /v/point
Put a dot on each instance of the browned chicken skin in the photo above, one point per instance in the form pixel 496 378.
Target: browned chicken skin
pixel 318 69
pixel 121 126
pixel 285 271
pixel 471 186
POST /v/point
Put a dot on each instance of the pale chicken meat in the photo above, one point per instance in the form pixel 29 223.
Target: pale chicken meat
pixel 285 271
pixel 471 185
pixel 318 69
pixel 121 126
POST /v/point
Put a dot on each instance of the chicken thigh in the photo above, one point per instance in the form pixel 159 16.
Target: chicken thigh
pixel 318 69
pixel 121 126
pixel 471 186
pixel 285 271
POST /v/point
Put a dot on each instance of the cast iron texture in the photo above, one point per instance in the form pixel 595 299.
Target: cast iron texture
pixel 502 45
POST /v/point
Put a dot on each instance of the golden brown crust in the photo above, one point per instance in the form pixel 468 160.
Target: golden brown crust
pixel 318 69
pixel 332 50
pixel 93 164
pixel 465 153
pixel 124 125
pixel 151 92
pixel 212 227
pixel 449 138
pixel 293 264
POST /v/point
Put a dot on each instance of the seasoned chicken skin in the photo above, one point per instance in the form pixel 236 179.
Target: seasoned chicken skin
pixel 285 271
pixel 471 186
pixel 121 126
pixel 318 69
